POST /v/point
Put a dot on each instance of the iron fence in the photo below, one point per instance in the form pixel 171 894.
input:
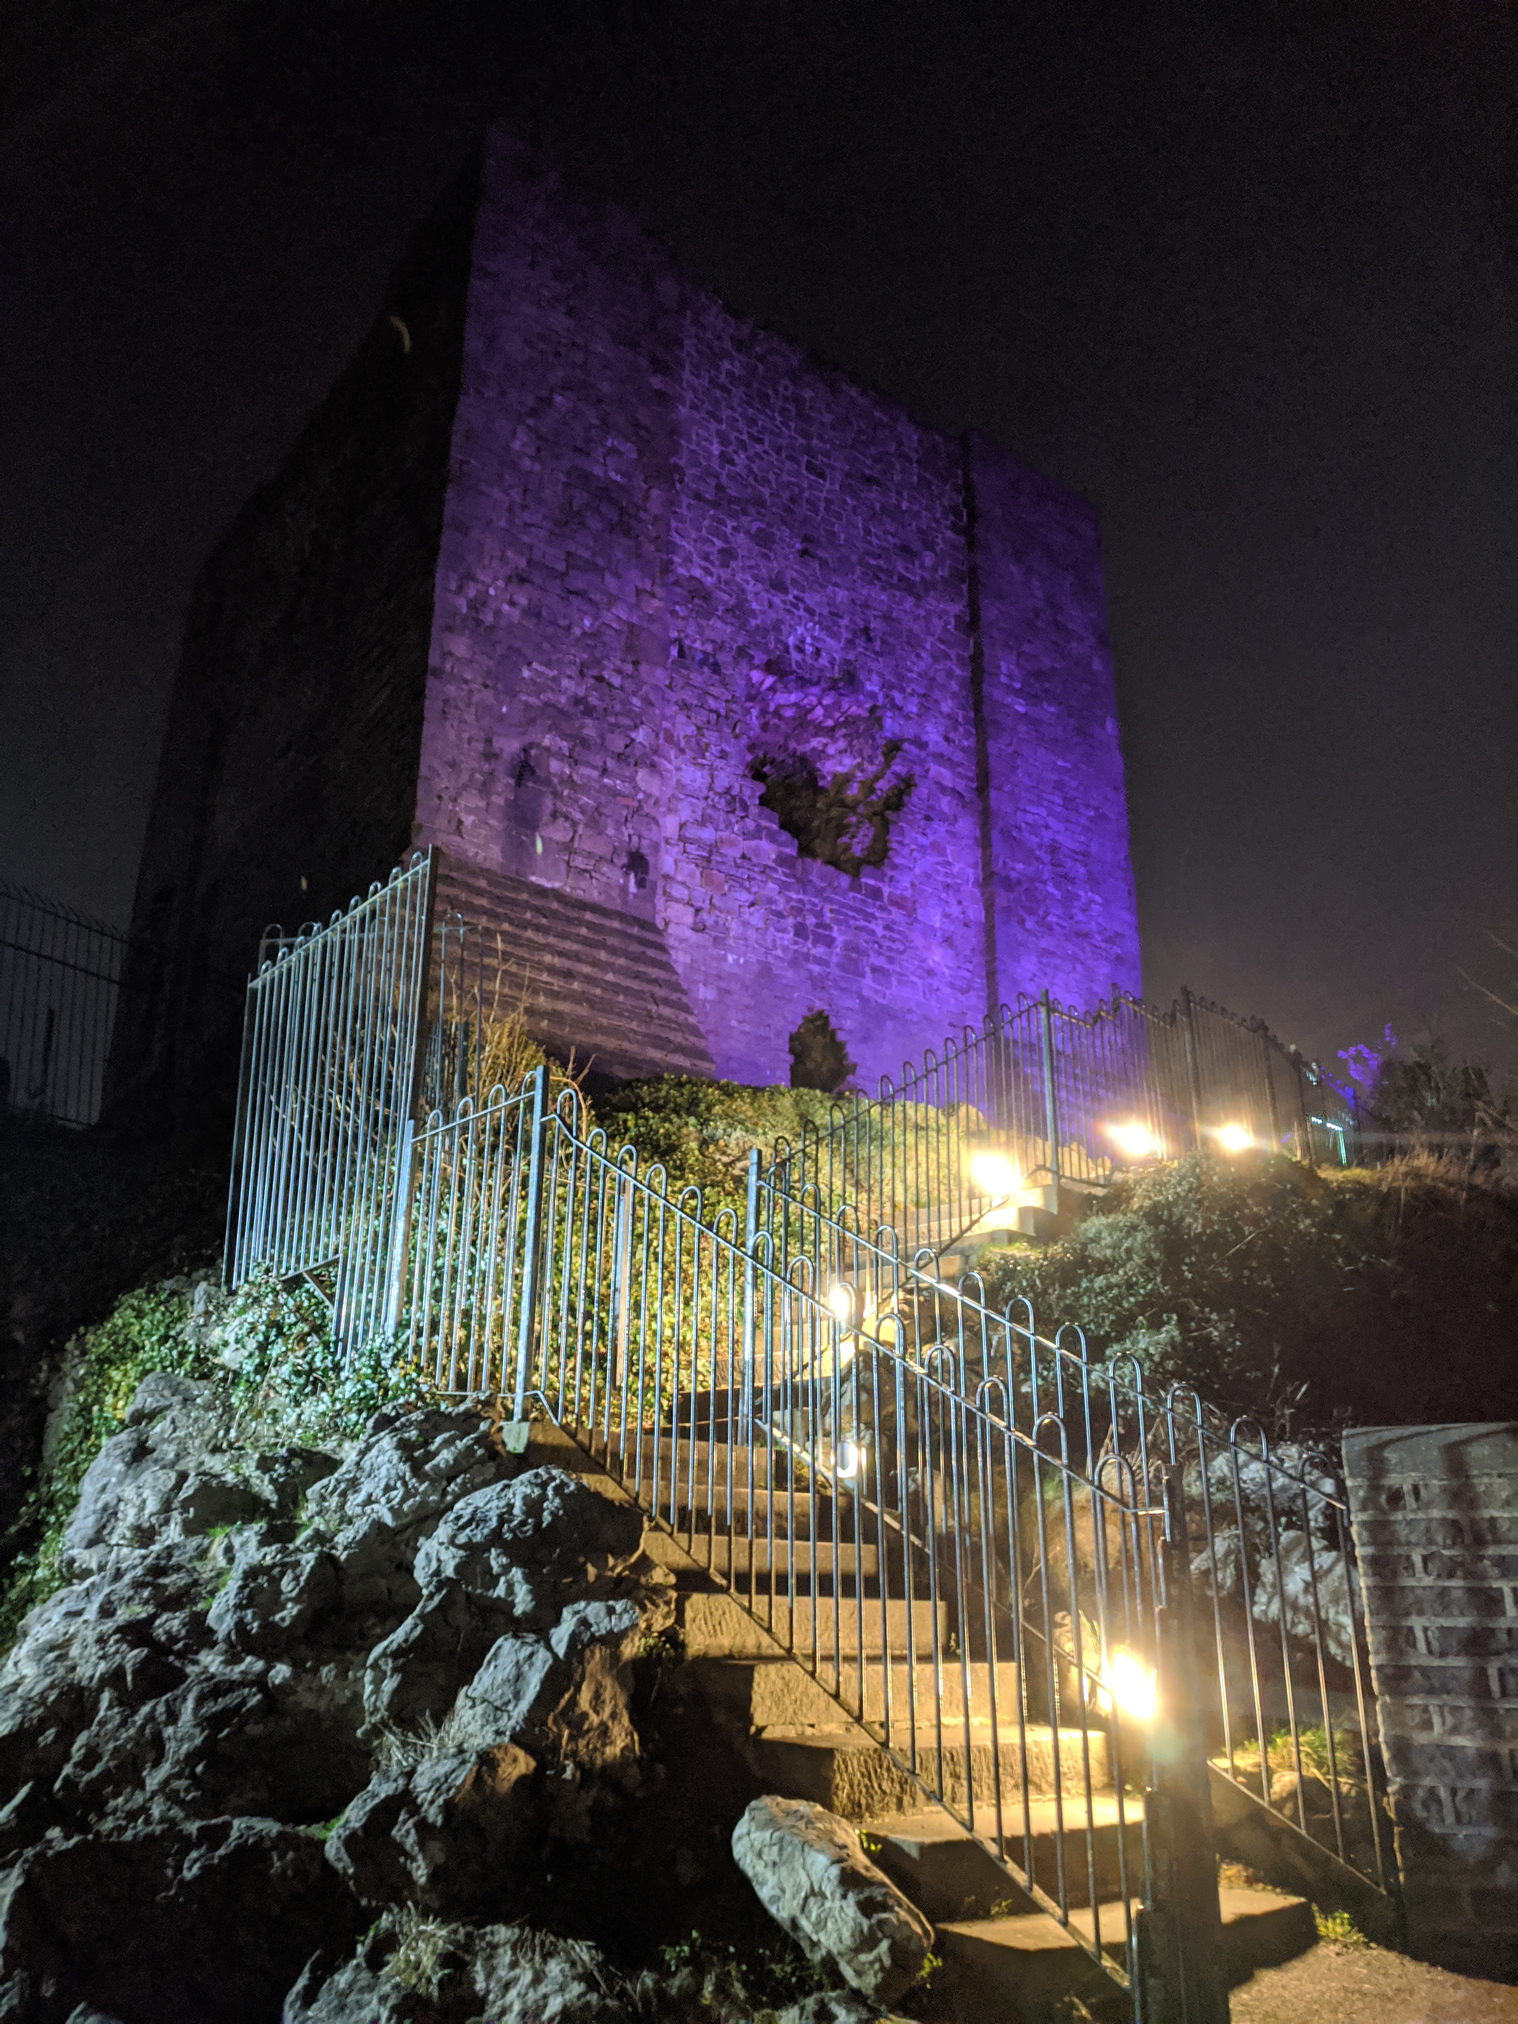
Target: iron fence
pixel 956 1580
pixel 1265 1530
pixel 328 1086
pixel 951 1519
pixel 1042 1098
pixel 61 978
pixel 954 1522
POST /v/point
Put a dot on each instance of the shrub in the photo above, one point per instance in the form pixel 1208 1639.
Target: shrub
pixel 1367 1295
pixel 701 1133
pixel 271 1343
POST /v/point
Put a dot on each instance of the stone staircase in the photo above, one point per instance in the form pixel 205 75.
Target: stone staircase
pixel 590 982
pixel 809 1616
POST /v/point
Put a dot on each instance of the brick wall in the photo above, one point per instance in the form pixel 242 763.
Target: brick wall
pixel 674 543
pixel 1435 1516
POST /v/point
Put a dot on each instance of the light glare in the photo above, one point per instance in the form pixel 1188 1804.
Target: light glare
pixel 1133 1140
pixel 1234 1139
pixel 1131 1685
pixel 994 1174
pixel 841 1304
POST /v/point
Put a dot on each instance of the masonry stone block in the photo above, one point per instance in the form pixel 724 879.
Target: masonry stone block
pixel 1431 1508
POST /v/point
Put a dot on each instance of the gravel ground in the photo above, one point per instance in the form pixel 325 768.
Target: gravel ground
pixel 1366 1985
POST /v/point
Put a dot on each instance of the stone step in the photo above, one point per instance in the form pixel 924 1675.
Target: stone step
pixel 716 1625
pixel 779 1694
pixel 1019 1967
pixel 766 1518
pixel 847 1771
pixel 950 1873
pixel 588 978
pixel 720 1469
pixel 799 1566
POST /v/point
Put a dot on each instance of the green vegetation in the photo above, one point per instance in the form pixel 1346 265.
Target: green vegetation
pixel 845 822
pixel 1338 1929
pixel 271 1344
pixel 773 1974
pixel 1301 1296
pixel 701 1133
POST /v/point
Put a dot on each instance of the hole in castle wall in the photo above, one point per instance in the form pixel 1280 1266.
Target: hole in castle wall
pixel 637 871
pixel 844 821
pixel 819 1059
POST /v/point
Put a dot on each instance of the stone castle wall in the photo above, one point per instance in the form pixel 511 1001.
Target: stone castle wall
pixel 287 779
pixel 674 546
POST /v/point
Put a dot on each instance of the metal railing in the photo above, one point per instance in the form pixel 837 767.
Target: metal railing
pixel 954 1522
pixel 61 977
pixel 949 1518
pixel 1266 1531
pixel 953 1576
pixel 353 1032
pixel 1042 1097
pixel 328 1086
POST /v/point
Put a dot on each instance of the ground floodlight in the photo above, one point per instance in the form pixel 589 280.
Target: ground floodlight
pixel 1131 1686
pixel 994 1174
pixel 1133 1140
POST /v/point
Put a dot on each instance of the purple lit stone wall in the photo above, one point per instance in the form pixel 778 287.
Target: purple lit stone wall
pixel 1061 884
pixel 673 542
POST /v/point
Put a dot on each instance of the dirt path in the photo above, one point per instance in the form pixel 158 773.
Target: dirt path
pixel 1366 1985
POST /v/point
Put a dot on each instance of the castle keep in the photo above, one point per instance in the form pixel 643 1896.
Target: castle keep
pixel 729 691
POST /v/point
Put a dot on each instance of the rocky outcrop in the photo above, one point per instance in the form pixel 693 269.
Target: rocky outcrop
pixel 291 1697
pixel 287 1690
pixel 113 1921
pixel 454 1834
pixel 510 1974
pixel 813 1878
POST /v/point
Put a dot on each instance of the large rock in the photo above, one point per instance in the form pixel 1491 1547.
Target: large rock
pixel 568 1699
pixel 515 1691
pixel 534 1544
pixel 277 1594
pixel 173 1472
pixel 201 1925
pixel 248 1738
pixel 414 1675
pixel 409 1468
pixel 374 1573
pixel 525 1977
pixel 133 1630
pixel 508 1974
pixel 813 1879
pixel 455 1834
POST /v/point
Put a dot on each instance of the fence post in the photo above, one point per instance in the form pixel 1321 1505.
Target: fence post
pixel 527 1320
pixel 621 1276
pixel 1051 1094
pixel 400 1227
pixel 1271 1107
pixel 1304 1121
pixel 1193 1064
pixel 400 1201
pixel 1180 1929
pixel 750 1232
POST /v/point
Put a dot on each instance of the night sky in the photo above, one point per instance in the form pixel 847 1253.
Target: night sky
pixel 1245 276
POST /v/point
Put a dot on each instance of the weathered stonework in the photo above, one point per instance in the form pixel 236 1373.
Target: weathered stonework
pixel 1435 1516
pixel 675 545
pixel 675 551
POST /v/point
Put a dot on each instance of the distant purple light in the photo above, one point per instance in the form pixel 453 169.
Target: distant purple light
pixel 1364 1063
